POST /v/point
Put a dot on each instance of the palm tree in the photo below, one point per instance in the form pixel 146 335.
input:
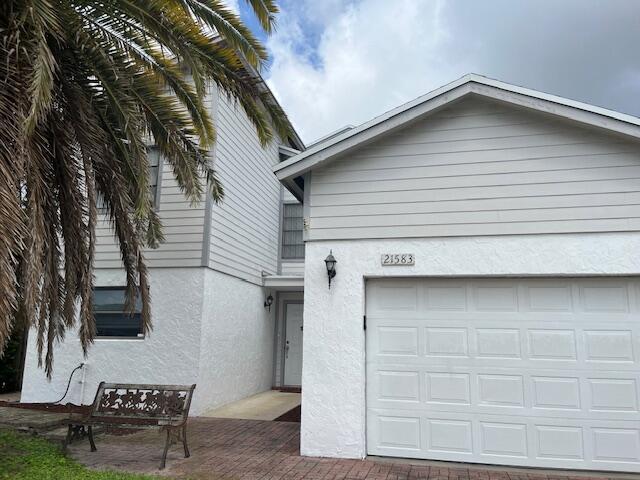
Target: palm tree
pixel 85 86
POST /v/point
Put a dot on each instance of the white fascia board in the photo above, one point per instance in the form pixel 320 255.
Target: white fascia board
pixel 469 84
pixel 284 282
pixel 288 151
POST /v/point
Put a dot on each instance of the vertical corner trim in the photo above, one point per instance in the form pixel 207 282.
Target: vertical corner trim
pixel 208 208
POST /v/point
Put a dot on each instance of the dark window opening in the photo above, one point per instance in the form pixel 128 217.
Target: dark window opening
pixel 292 225
pixel 153 157
pixel 111 318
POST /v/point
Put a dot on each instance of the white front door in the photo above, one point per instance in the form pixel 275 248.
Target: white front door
pixel 293 344
pixel 538 372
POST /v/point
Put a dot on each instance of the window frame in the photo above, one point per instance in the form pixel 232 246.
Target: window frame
pixel 283 258
pixel 138 336
pixel 158 178
pixel 160 164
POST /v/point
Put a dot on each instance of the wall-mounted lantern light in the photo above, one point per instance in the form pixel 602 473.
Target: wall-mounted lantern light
pixel 330 261
pixel 268 302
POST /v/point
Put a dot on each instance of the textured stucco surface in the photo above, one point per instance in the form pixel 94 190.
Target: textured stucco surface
pixel 236 353
pixel 208 328
pixel 333 376
pixel 169 354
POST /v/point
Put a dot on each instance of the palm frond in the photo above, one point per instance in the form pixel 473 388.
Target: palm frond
pixel 85 85
pixel 265 11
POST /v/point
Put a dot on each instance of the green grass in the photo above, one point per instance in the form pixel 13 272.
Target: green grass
pixel 24 457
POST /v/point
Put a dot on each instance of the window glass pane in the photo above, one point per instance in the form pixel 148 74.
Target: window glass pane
pixel 153 157
pixel 118 324
pixel 112 300
pixel 292 225
pixel 111 319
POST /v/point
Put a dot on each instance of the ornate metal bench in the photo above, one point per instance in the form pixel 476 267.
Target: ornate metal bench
pixel 129 405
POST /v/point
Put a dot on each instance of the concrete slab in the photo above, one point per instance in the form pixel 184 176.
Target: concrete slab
pixel 263 406
pixel 10 397
pixel 24 419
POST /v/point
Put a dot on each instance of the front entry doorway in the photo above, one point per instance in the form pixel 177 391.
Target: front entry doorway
pixel 293 345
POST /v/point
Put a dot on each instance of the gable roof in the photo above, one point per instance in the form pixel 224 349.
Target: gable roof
pixel 320 153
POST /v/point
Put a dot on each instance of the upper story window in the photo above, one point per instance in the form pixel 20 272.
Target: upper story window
pixel 292 224
pixel 110 315
pixel 153 156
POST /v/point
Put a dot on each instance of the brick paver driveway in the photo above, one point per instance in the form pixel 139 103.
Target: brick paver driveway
pixel 260 450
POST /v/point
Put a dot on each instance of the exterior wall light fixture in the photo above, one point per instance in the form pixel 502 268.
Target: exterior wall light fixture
pixel 330 261
pixel 268 302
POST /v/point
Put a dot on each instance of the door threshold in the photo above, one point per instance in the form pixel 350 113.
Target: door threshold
pixel 288 389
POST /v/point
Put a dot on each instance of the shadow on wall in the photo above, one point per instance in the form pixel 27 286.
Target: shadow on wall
pixel 12 362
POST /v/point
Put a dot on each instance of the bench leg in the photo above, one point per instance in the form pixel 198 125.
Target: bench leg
pixel 163 462
pixel 184 441
pixel 91 442
pixel 67 439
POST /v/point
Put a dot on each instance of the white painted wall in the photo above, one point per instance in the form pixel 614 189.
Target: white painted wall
pixel 246 225
pixel 169 354
pixel 479 167
pixel 208 328
pixel 333 424
pixel 236 344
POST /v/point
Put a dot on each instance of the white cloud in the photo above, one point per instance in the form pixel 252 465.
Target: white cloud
pixel 338 62
pixel 233 5
pixel 362 65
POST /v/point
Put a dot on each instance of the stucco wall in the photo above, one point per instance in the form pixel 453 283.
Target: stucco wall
pixel 169 354
pixel 333 376
pixel 208 328
pixel 236 353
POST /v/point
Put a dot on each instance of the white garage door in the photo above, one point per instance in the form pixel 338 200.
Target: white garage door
pixel 539 372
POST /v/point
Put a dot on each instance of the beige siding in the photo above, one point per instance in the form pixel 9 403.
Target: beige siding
pixel 480 168
pixel 183 228
pixel 245 227
pixel 289 267
pixel 240 236
pixel 183 232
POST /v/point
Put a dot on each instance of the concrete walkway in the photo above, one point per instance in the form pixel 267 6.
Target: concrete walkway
pixel 257 450
pixel 10 397
pixel 267 405
pixel 33 420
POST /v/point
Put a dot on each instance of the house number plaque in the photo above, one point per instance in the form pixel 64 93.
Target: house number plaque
pixel 398 259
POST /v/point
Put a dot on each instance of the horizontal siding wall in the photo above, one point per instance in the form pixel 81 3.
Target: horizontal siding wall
pixel 245 226
pixel 480 168
pixel 183 230
pixel 288 197
pixel 292 268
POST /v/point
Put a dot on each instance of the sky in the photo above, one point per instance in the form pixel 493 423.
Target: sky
pixel 340 62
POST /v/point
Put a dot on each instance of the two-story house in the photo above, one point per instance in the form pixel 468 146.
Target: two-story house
pixel 211 283
pixel 485 303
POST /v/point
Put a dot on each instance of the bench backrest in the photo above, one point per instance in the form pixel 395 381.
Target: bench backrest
pixel 130 400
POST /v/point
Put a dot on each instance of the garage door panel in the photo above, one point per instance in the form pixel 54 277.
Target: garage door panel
pixel 497 392
pixel 540 372
pixel 560 347
pixel 547 441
